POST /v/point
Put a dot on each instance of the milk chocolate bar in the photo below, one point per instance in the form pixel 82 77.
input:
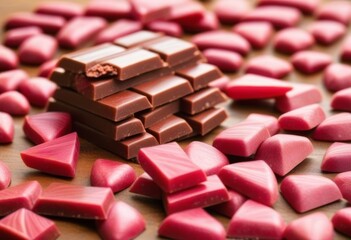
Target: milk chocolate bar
pixel 137 38
pixel 62 77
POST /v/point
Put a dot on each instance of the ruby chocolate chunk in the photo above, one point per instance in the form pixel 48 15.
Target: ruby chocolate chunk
pixel 67 200
pixel 270 122
pixel 67 10
pixel 258 33
pixel 160 163
pixel 110 10
pixel 230 207
pixel 339 11
pixel 292 40
pixel 10 80
pixel 327 31
pixel 225 60
pixel 8 59
pixel 343 180
pixel 269 66
pixel 305 6
pixel 208 22
pixel 146 11
pixel 230 12
pixel 145 186
pixel 341 100
pixel 310 61
pixel 7 128
pixel 14 103
pixel 342 221
pixel 5 176
pixel 337 77
pixel 14 38
pixel 137 38
pixel 334 128
pixel 337 158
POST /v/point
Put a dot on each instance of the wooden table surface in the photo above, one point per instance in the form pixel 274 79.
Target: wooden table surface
pixel 152 210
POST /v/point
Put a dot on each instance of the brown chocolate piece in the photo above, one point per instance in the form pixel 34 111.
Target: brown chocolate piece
pixel 164 90
pixel 62 77
pixel 201 100
pixel 204 122
pixel 116 107
pixel 137 38
pixel 169 129
pixel 173 50
pixel 127 148
pixel 82 60
pixel 127 64
pixel 150 117
pixel 114 130
pixel 200 75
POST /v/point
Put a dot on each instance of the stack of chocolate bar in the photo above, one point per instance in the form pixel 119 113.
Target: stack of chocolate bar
pixel 143 90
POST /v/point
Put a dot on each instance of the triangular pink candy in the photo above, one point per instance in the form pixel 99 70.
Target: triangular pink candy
pixel 230 207
pixel 253 179
pixel 337 158
pixel 310 62
pixel 343 180
pixel 145 186
pixel 14 103
pixel 307 192
pixel 7 128
pixel 191 224
pixel 256 221
pixel 341 100
pixel 326 31
pixel 342 221
pixel 46 126
pixel 334 128
pixel 270 122
pixel 257 33
pixel 57 157
pixel 5 176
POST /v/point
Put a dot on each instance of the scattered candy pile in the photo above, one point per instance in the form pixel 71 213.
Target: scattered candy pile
pixel 140 89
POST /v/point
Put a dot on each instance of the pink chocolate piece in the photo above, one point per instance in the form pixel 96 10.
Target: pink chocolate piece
pixel 123 222
pixel 346 50
pixel 14 103
pixel 118 29
pixel 168 28
pixel 110 9
pixel 337 76
pixel 14 38
pixel 23 195
pixel 227 61
pixel 339 11
pixel 305 6
pixel 301 95
pixel 66 10
pixel 341 100
pixel 37 49
pixel 291 40
pixel 246 136
pixel 191 224
pixel 57 157
pixel 253 179
pixel 270 122
pixel 343 181
pixel 257 33
pixel 208 22
pixel 170 167
pixel 229 12
pixel 8 59
pixel 310 61
pixel 7 128
pixel 10 80
pixel 68 200
pixel 256 221
pixel 229 208
pixel 115 175
pixel 307 192
pixel 279 152
pixel 313 226
pixel 273 15
pixel 268 66
pixel 44 127
pixel 251 86
pixel 222 40
pixel 334 128
pixel 47 68
pixel 205 194
pixel 186 10
pixel 37 90
pixel 5 176
pixel 342 221
pixel 206 157
pixel 302 119
pixel 337 158
pixel 49 24
pixel 146 11
pixel 144 185
pixel 326 31
pixel 24 224
pixel 80 30
pixel 220 83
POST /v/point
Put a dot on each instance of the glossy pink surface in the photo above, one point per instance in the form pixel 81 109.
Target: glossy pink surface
pixel 115 175
pixel 74 201
pixel 14 38
pixel 337 158
pixel 123 222
pixel 270 122
pixel 183 11
pixel 57 157
pixel 110 10
pixel 342 221
pixel 229 12
pixel 291 40
pixel 170 167
pixel 14 103
pixel 67 10
pixel 307 192
pixel 343 180
pixel 346 49
pixel 8 59
pixel 144 185
pixel 229 207
pixel 326 31
pixel 257 33
pixel 166 27
pixel 339 11
pixel 279 152
pixel 208 22
pixel 146 11
pixel 335 128
pixel 7 128
pixel 191 224
pixel 305 6
pixel 310 62
pixel 268 66
pixel 5 176
pixel 19 196
pixel 341 100
pixel 10 80
pixel 225 60
pixel 46 68
pixel 256 221
pixel 337 76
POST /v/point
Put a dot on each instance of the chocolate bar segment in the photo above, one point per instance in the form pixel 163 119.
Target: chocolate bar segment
pixel 169 129
pixel 200 75
pixel 126 65
pixel 201 100
pixel 81 61
pixel 116 107
pixel 163 90
pixel 114 130
pixel 137 38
